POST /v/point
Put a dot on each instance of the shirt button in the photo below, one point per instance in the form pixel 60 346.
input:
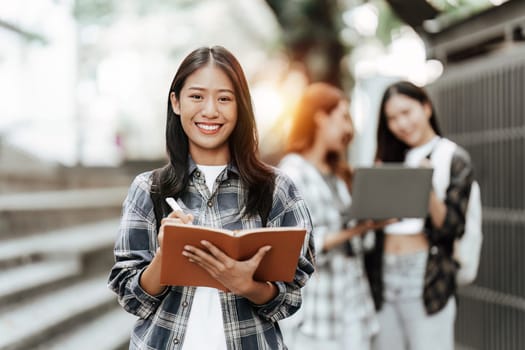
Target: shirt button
pixel 184 303
pixel 434 250
pixel 175 341
pixel 197 173
pixel 210 204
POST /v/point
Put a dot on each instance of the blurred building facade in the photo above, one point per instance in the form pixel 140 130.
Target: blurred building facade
pixel 38 85
pixel 86 83
pixel 479 100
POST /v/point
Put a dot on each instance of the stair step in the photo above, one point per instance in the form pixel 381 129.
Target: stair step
pixel 94 334
pixel 18 282
pixel 27 324
pixel 73 240
pixel 27 213
pixel 78 198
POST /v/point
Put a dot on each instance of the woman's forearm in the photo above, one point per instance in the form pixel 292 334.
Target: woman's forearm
pixel 438 210
pixel 150 278
pixel 336 239
pixel 260 292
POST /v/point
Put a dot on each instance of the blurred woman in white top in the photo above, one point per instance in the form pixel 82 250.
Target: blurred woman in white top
pixel 412 270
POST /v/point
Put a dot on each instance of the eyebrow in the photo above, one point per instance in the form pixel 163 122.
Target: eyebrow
pixel 204 89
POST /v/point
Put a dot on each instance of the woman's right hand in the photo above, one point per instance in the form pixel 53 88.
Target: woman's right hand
pixel 379 224
pixel 358 229
pixel 366 225
pixel 150 278
pixel 175 217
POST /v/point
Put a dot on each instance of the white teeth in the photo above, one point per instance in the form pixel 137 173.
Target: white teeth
pixel 208 127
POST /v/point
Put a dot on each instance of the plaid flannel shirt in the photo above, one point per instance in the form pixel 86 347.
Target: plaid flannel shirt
pixel 338 295
pixel 162 319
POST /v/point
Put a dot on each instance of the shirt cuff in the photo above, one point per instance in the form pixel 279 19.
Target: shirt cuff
pixel 270 310
pixel 148 303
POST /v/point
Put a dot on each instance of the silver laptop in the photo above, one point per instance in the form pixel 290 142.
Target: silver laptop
pixel 390 191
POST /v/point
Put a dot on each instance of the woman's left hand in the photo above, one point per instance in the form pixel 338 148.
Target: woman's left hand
pixel 376 225
pixel 426 163
pixel 236 276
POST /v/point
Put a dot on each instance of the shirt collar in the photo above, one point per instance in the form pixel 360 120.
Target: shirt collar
pixel 231 167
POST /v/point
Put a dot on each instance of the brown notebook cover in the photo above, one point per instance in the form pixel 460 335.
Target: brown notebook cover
pixel 279 264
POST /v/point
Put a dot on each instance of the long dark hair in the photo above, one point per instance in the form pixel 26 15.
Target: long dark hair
pixel 316 97
pixel 259 178
pixel 390 148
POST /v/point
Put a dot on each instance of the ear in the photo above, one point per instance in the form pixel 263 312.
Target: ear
pixel 175 105
pixel 320 117
pixel 427 108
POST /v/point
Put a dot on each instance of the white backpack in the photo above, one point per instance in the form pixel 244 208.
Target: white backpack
pixel 467 249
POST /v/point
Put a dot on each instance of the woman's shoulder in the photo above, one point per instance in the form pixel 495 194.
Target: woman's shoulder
pixel 143 180
pixel 282 177
pixel 461 162
pixel 462 154
pixel 459 153
pixel 285 183
pixel 139 194
pixel 140 186
pixel 291 160
pixel 296 166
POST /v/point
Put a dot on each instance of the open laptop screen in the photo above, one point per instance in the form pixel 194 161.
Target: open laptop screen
pixel 390 191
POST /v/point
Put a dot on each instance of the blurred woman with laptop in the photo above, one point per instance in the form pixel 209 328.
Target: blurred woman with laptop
pixel 411 270
pixel 337 311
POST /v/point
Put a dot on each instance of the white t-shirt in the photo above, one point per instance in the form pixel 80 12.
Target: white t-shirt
pixel 205 328
pixel 413 158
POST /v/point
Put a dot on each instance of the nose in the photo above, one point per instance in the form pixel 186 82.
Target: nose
pixel 348 127
pixel 402 123
pixel 209 109
pixel 347 130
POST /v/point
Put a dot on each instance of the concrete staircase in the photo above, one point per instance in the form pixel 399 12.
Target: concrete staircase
pixel 55 257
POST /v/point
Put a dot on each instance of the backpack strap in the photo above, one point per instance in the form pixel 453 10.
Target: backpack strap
pixel 441 158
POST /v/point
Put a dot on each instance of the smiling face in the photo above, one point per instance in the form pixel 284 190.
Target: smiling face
pixel 409 120
pixel 207 107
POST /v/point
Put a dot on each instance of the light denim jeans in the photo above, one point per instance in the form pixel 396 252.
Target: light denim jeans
pixel 404 323
pixel 354 337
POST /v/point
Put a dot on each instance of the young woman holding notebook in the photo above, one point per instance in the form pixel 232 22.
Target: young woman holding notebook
pixel 338 311
pixel 412 271
pixel 215 174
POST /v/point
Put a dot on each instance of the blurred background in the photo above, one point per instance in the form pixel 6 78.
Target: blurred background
pixel 83 92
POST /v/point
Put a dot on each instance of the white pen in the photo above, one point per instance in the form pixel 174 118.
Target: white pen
pixel 173 204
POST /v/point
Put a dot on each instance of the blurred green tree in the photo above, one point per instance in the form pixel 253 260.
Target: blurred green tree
pixel 311 36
